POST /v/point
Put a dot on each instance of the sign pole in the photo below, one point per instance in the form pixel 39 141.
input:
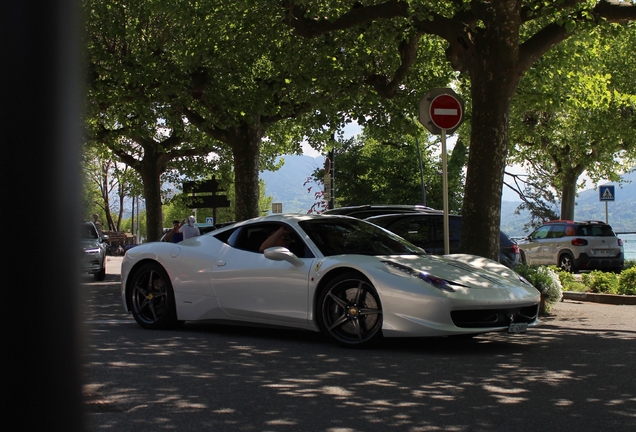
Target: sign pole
pixel 445 192
pixel 606 193
pixel 441 111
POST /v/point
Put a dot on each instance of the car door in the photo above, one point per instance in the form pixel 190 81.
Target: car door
pixel 250 286
pixel 553 244
pixel 534 249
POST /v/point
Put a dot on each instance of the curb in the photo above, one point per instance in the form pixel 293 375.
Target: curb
pixel 600 298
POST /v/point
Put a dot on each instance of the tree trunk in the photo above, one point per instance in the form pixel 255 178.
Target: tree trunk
pixel 150 175
pixel 245 141
pixel 486 164
pixel 494 78
pixel 568 195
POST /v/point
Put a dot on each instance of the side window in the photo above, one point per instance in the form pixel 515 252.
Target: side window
pixel 226 235
pixel 251 237
pixel 557 231
pixel 416 230
pixel 541 233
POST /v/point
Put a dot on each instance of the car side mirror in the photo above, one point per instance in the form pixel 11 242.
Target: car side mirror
pixel 105 238
pixel 280 253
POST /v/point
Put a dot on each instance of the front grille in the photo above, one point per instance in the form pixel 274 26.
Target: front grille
pixel 494 317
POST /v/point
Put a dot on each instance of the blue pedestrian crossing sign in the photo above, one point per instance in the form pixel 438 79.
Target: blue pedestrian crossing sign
pixel 606 193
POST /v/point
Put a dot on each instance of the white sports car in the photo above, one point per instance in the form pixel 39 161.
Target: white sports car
pixel 345 277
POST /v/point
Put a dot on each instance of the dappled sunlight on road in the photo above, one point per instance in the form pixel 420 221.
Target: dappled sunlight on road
pixel 564 373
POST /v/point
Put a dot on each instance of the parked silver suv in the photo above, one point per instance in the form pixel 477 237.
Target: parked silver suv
pixel 574 246
pixel 93 247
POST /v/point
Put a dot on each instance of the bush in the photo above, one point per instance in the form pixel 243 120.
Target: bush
pixel 627 281
pixel 601 282
pixel 546 281
pixel 567 279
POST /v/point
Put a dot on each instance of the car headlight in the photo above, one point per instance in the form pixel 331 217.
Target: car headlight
pixel 437 282
pixel 92 251
pixel 524 280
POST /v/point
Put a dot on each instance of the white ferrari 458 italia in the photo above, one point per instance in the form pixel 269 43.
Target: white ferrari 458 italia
pixel 347 278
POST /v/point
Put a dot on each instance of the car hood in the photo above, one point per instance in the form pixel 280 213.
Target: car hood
pixel 470 271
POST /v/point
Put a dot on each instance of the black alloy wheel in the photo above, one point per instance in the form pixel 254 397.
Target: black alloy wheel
pixel 566 262
pixel 350 312
pixel 152 298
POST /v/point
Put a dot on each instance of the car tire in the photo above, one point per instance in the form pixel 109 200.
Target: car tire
pixel 101 274
pixel 566 263
pixel 522 258
pixel 349 311
pixel 151 298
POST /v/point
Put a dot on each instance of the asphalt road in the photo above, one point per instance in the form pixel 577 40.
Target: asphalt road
pixel 575 372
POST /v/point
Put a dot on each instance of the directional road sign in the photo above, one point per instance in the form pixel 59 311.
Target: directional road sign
pixel 606 193
pixel 213 201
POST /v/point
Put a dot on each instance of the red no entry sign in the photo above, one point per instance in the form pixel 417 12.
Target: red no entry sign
pixel 441 110
pixel 446 111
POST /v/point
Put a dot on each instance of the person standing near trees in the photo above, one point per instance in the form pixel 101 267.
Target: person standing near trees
pixel 174 235
pixel 188 229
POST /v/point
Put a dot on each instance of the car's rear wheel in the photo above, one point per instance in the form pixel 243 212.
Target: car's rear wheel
pixel 350 312
pixel 101 274
pixel 152 298
pixel 566 262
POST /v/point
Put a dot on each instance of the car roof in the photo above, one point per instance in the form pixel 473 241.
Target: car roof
pixel 286 217
pixel 368 210
pixel 586 222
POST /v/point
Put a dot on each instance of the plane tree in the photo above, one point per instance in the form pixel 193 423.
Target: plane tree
pixel 575 113
pixel 260 90
pixel 492 44
pixel 128 107
pixel 233 72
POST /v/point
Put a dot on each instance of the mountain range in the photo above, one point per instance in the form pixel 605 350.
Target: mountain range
pixel 287 186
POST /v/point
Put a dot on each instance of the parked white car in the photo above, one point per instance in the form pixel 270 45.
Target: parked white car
pixel 574 246
pixel 352 280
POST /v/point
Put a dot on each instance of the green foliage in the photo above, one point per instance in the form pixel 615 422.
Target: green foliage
pixel 601 282
pixel 568 281
pixel 627 281
pixel 544 279
pixel 140 223
pixel 370 171
pixel 574 112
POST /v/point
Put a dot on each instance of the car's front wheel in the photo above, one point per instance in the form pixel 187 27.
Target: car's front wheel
pixel 152 298
pixel 101 274
pixel 566 262
pixel 350 312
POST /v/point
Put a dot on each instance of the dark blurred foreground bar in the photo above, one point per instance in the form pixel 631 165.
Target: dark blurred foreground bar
pixel 41 134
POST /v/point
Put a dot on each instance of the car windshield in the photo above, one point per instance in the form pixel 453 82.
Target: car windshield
pixel 351 236
pixel 88 232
